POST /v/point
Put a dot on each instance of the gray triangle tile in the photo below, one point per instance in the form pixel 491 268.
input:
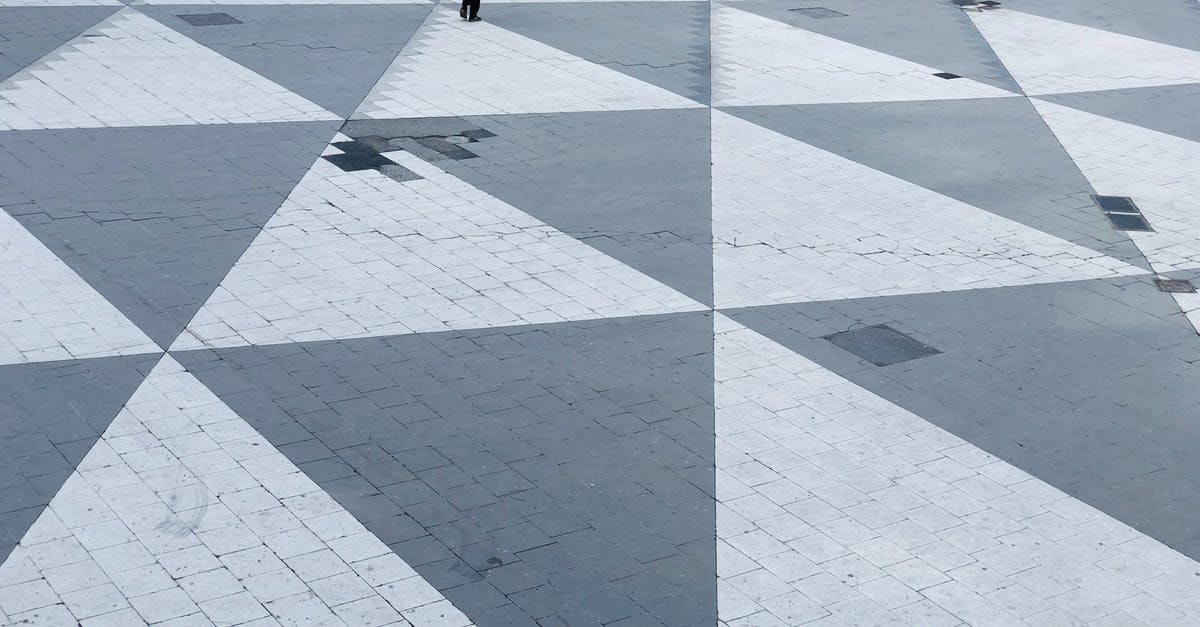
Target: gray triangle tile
pixel 935 34
pixel 1057 379
pixel 29 33
pixel 53 413
pixel 1169 109
pixel 331 55
pixel 994 154
pixel 633 184
pixel 153 218
pixel 662 43
pixel 1173 22
pixel 534 472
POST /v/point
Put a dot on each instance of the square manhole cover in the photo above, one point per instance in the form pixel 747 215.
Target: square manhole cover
pixel 819 13
pixel 881 345
pixel 1175 286
pixel 209 19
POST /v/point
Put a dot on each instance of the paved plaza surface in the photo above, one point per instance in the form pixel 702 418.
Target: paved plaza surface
pixel 747 313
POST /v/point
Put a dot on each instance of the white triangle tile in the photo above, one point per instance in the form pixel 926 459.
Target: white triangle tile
pixel 1090 59
pixel 760 61
pixel 182 510
pixel 357 254
pixel 831 498
pixel 48 312
pixel 833 228
pixel 455 68
pixel 1160 172
pixel 131 70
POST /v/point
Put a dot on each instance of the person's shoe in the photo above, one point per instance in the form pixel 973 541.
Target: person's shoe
pixel 463 13
pixel 476 19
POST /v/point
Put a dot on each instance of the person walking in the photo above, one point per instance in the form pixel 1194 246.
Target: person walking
pixel 469 10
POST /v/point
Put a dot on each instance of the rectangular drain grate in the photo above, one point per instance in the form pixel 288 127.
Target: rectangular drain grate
pixel 1175 286
pixel 1122 213
pixel 881 345
pixel 818 13
pixel 209 19
pixel 946 75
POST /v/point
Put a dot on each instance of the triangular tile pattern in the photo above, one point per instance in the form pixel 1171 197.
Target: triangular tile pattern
pixel 665 44
pixel 563 475
pixel 1171 109
pixel 1095 60
pixel 48 313
pixel 836 502
pixel 1172 22
pixel 53 413
pixel 153 218
pixel 963 149
pixel 1160 172
pixel 131 70
pixel 452 68
pixel 331 55
pixel 928 33
pixel 183 510
pixel 759 61
pixel 633 184
pixel 1120 441
pixel 836 229
pixel 32 32
pixel 355 254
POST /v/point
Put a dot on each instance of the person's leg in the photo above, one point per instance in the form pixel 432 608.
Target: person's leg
pixel 462 11
pixel 474 4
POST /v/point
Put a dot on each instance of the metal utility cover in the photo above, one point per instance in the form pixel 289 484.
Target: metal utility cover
pixel 881 345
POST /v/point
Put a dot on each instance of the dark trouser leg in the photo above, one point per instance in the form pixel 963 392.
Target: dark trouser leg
pixel 473 5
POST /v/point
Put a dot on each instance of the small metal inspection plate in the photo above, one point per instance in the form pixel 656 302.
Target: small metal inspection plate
pixel 881 345
pixel 210 19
